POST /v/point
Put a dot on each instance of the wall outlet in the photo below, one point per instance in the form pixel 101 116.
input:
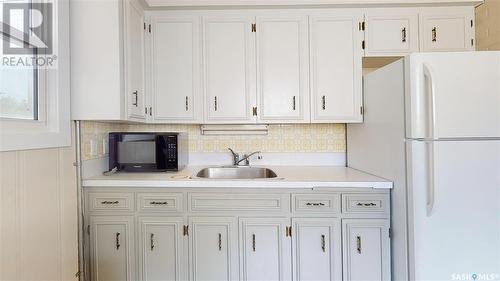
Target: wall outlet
pixel 93 147
pixel 105 146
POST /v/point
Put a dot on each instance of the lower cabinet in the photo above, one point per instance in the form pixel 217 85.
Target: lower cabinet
pixel 162 249
pixel 265 249
pixel 112 248
pixel 213 248
pixel 323 240
pixel 317 249
pixel 366 249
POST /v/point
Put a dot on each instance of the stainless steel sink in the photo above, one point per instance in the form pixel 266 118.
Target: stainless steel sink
pixel 236 173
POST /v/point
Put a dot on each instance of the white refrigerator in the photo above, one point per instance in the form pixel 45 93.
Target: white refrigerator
pixel 432 125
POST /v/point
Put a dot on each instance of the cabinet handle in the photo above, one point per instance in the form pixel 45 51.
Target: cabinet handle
pixel 366 204
pixel 220 242
pixel 136 98
pixel 187 104
pixel 434 34
pixel 315 204
pixel 253 242
pixel 215 103
pixel 323 244
pixel 403 39
pixel 150 111
pixel 109 202
pixel 323 101
pixel 152 241
pixel 117 240
pixel 158 203
pixel 358 244
pixel 293 103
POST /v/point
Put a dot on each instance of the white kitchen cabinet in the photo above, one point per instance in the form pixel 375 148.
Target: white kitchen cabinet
pixel 266 249
pixel 163 249
pixel 134 39
pixel 112 248
pixel 391 31
pixel 282 68
pixel 229 68
pixel 366 249
pixel 213 248
pixel 317 249
pixel 176 68
pixel 447 29
pixel 107 60
pixel 336 67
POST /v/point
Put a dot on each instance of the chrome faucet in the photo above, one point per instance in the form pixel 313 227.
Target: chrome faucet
pixel 246 158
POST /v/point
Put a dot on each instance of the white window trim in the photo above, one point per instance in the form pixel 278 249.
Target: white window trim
pixel 53 129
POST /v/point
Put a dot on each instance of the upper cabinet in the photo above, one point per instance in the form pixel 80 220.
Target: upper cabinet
pixel 282 68
pixel 244 66
pixel 336 77
pixel 134 34
pixel 176 69
pixel 229 68
pixel 447 29
pixel 107 60
pixel 391 31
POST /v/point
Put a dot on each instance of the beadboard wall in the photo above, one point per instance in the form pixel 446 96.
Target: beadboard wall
pixel 281 138
pixel 488 26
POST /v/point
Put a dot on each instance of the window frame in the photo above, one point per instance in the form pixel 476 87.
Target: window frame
pixel 53 127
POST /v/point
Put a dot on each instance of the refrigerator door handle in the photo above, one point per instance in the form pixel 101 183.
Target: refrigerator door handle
pixel 430 98
pixel 431 183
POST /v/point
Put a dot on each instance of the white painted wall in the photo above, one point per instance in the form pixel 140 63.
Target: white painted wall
pixel 38 215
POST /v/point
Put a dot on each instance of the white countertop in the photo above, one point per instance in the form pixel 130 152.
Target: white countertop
pixel 288 177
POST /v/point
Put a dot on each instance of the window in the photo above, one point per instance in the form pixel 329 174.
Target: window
pixel 34 80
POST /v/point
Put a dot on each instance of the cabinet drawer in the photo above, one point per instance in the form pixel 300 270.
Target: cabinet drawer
pixel 238 202
pixel 110 201
pixel 311 203
pixel 157 202
pixel 365 203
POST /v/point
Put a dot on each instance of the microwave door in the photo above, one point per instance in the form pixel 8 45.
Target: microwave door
pixel 137 155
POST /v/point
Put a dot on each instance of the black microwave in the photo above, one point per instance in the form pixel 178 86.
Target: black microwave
pixel 148 152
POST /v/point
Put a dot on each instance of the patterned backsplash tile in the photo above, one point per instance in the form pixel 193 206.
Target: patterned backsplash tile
pixel 281 138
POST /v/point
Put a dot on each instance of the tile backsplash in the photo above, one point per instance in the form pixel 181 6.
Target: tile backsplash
pixel 281 138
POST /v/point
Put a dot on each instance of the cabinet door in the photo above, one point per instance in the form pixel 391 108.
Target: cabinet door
pixel 266 249
pixel 176 63
pixel 282 69
pixel 366 249
pixel 391 32
pixel 229 69
pixel 163 249
pixel 213 248
pixel 317 249
pixel 336 74
pixel 134 59
pixel 447 29
pixel 112 248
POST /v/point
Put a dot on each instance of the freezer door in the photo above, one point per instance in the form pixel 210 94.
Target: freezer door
pixel 454 209
pixel 453 95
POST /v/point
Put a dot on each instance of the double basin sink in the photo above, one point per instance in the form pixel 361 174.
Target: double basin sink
pixel 236 172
